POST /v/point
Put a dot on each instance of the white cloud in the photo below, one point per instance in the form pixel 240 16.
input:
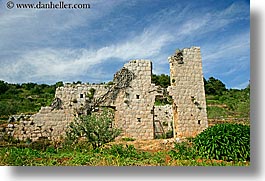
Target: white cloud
pixel 232 49
pixel 23 28
pixel 193 25
pixel 228 60
pixel 199 23
pixel 37 42
pixel 56 64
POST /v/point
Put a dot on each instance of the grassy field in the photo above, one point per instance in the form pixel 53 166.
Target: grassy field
pixel 123 154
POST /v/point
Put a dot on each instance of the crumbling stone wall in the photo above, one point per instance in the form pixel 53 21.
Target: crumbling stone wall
pixel 132 96
pixel 75 97
pixel 52 123
pixel 187 91
pixel 134 106
pixel 45 124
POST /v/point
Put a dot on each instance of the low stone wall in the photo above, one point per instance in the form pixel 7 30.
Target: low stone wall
pixel 47 123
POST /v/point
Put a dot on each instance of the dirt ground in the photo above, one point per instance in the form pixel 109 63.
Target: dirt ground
pixel 150 145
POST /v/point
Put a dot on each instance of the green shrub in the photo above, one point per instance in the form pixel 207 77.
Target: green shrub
pixel 183 151
pixel 122 151
pixel 96 128
pixel 229 142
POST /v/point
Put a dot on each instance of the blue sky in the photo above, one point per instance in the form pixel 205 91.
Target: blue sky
pixel 47 46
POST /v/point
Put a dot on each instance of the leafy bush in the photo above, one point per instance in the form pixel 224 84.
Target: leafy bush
pixel 123 151
pixel 229 142
pixel 96 128
pixel 183 151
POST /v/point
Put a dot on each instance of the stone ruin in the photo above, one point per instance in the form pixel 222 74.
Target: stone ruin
pixel 132 97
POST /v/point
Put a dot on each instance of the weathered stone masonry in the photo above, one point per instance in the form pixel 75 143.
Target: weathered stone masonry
pixel 134 106
pixel 132 96
pixel 187 90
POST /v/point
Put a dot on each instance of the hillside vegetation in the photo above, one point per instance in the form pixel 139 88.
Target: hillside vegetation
pixel 225 103
pixel 222 103
pixel 24 98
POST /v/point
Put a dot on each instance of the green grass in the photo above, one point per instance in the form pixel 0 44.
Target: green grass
pixel 82 154
pixel 217 112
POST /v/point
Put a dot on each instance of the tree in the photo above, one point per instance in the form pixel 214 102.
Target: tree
pixel 96 128
pixel 3 87
pixel 214 86
pixel 36 90
pixel 59 84
pixel 163 80
pixel 28 86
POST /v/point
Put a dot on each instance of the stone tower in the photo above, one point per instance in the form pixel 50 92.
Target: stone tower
pixel 187 91
pixel 134 104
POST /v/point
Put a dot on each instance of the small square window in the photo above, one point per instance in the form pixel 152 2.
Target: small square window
pixel 81 95
pixel 199 121
pixel 139 119
pixel 137 96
